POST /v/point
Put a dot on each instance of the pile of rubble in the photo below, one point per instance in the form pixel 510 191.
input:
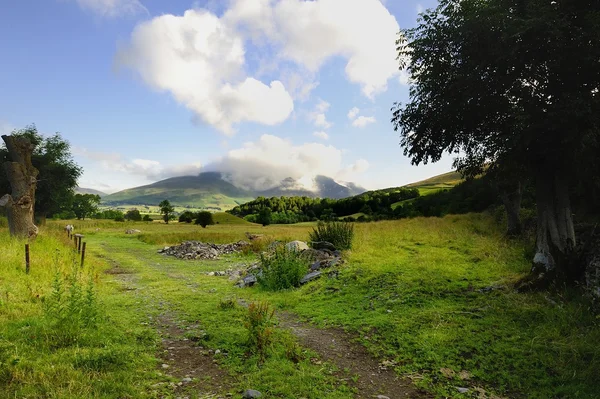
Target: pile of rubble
pixel 202 250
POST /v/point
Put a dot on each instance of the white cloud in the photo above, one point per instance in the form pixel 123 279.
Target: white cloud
pixel 265 163
pixel 318 116
pixel 149 169
pixel 200 60
pixel 113 8
pixel 363 121
pixel 420 8
pixel 310 33
pixel 321 135
pixel 353 113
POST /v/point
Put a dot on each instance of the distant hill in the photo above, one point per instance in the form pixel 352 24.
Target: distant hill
pixel 436 183
pixel 83 190
pixel 211 190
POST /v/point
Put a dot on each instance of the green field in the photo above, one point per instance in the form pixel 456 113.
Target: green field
pixel 432 297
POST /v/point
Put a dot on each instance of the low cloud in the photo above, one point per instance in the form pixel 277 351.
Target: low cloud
pixel 263 164
pixel 318 116
pixel 321 135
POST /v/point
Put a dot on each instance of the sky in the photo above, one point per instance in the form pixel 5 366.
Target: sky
pixel 259 89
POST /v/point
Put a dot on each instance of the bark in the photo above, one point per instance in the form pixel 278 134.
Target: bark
pixel 22 176
pixel 512 205
pixel 555 242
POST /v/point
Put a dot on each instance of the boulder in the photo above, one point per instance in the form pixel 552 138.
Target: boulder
pixel 310 276
pixel 322 245
pixel 132 231
pixel 297 246
pixel 251 394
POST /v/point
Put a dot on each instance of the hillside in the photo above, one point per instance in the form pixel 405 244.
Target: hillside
pixel 83 190
pixel 212 190
pixel 435 183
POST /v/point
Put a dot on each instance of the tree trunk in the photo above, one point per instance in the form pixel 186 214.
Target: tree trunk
pixel 512 205
pixel 22 177
pixel 555 241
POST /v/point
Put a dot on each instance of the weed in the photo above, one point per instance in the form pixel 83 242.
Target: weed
pixel 259 324
pixel 340 234
pixel 227 304
pixel 293 351
pixel 282 269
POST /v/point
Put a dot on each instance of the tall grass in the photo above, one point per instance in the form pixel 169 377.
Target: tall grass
pixel 340 234
pixel 282 269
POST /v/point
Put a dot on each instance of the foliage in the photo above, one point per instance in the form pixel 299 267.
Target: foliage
pixel 204 218
pixel 282 269
pixel 147 218
pixel 259 323
pixel 286 210
pixel 340 234
pixel 58 171
pixel 265 216
pixel 187 217
pixel 85 205
pixel 166 209
pixel 134 215
pixel 109 214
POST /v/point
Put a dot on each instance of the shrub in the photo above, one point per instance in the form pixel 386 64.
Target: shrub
pixel 204 219
pixel 259 324
pixel 187 217
pixel 133 215
pixel 282 270
pixel 147 218
pixel 340 234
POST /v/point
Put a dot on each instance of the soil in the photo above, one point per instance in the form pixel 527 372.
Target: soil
pixel 337 347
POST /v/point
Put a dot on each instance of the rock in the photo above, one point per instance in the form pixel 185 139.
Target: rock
pixel 297 246
pixel 249 280
pixel 253 237
pixel 165 366
pixel 310 276
pixel 251 393
pixel 132 231
pixel 382 397
pixel 315 266
pixel 186 379
pixel 201 250
pixel 322 245
pixel 462 390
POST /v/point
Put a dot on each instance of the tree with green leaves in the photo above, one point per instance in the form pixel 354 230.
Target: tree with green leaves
pixel 204 218
pixel 133 215
pixel 85 205
pixel 512 86
pixel 166 209
pixel 58 172
pixel 265 216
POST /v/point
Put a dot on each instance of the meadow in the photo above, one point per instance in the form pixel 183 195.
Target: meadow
pixel 432 298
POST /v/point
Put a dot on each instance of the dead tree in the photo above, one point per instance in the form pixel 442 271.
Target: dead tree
pixel 22 176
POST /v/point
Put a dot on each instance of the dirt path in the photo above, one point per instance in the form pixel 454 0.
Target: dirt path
pixel 193 368
pixel 336 346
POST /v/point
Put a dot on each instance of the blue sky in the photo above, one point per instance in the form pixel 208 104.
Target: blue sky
pixel 260 89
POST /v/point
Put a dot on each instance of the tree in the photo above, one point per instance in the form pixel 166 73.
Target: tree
pixel 508 85
pixel 58 173
pixel 85 205
pixel 204 219
pixel 133 215
pixel 187 217
pixel 166 209
pixel 22 176
pixel 264 216
pixel 147 218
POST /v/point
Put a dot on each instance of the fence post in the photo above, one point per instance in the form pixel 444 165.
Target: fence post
pixel 83 254
pixel 27 258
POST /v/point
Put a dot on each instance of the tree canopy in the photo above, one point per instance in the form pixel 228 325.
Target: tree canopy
pixel 58 172
pixel 512 86
pixel 166 209
pixel 85 205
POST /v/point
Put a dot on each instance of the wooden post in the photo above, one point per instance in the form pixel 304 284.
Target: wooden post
pixel 27 258
pixel 83 254
pixel 78 240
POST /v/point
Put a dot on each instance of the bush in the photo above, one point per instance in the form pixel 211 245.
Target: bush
pixel 187 217
pixel 133 215
pixel 204 219
pixel 282 270
pixel 340 234
pixel 146 218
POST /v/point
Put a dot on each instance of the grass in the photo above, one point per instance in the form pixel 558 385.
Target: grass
pixel 432 296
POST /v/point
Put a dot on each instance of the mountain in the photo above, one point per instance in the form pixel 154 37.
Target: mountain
pixel 83 190
pixel 211 190
pixel 436 183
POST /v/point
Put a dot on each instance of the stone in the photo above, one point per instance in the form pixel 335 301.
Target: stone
pixel 297 246
pixel 249 280
pixel 201 250
pixel 310 276
pixel 315 266
pixel 382 397
pixel 251 394
pixel 165 366
pixel 132 231
pixel 322 245
pixel 462 390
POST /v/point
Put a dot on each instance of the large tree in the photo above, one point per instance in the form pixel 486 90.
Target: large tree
pixel 58 173
pixel 511 85
pixel 22 178
pixel 167 210
pixel 85 205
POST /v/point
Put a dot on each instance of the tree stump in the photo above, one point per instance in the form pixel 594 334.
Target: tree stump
pixel 22 176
